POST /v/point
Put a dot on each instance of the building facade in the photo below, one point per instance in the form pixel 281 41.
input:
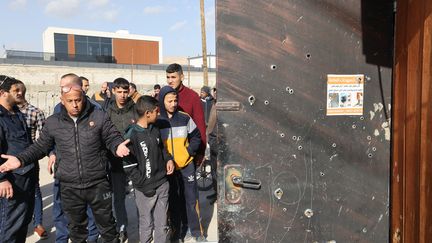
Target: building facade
pixel 198 61
pixel 107 47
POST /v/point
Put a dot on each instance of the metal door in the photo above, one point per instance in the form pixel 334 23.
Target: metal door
pixel 288 172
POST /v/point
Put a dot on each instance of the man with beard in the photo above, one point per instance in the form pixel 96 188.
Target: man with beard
pixel 17 187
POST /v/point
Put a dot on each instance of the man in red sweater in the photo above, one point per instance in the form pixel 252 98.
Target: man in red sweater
pixel 189 102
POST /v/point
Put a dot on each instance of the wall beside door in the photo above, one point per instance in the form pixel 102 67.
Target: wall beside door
pixel 412 123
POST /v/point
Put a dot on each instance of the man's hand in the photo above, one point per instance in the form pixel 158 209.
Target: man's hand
pixel 11 163
pixel 51 162
pixel 170 167
pixel 6 189
pixel 122 149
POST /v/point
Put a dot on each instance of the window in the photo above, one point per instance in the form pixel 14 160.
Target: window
pixel 91 48
pixel 60 43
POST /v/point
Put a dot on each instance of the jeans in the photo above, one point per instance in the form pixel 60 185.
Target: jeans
pixel 38 205
pixel 61 222
pixel 16 212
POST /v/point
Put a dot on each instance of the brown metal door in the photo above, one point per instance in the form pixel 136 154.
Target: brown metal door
pixel 287 171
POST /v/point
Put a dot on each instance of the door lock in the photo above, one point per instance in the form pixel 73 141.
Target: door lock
pixel 246 182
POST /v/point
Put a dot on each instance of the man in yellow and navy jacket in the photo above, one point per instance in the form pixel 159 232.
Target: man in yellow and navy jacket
pixel 182 140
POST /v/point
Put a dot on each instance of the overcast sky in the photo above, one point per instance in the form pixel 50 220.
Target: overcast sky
pixel 176 21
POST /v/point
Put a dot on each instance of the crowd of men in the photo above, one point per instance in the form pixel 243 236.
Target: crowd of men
pixel 95 147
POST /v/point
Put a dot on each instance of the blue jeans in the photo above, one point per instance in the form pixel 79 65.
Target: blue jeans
pixel 38 211
pixel 61 222
pixel 16 213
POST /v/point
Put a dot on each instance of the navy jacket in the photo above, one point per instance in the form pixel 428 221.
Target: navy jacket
pixel 14 137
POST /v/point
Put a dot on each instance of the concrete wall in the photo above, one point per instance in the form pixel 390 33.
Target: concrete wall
pixel 43 81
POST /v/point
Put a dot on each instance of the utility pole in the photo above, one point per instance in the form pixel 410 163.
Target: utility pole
pixel 204 44
pixel 132 64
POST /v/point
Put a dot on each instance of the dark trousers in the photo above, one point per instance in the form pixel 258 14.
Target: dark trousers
pixel 16 213
pixel 183 203
pixel 153 215
pixel 75 202
pixel 119 183
pixel 38 206
pixel 61 222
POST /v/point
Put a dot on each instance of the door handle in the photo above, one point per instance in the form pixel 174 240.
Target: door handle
pixel 246 183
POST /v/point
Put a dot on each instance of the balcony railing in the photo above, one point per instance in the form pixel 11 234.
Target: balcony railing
pixel 45 56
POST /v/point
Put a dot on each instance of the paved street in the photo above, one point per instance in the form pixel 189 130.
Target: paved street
pixel 46 181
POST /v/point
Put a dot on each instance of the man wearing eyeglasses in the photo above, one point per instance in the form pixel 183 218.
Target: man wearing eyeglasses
pixel 60 221
pixel 81 134
pixel 17 187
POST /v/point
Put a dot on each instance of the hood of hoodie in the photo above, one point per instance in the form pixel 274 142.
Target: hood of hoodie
pixel 162 93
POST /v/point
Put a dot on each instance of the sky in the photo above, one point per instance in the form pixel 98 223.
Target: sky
pixel 176 21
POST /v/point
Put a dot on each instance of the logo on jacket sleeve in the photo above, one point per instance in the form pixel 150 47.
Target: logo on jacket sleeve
pixel 91 123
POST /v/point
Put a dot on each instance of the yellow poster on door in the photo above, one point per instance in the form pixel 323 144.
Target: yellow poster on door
pixel 345 95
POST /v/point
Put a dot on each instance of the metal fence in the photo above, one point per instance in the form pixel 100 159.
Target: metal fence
pixel 51 59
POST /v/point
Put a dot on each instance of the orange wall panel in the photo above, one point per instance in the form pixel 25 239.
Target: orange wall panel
pixel 136 51
pixel 71 44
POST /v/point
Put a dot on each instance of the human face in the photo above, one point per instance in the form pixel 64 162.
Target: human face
pixel 17 92
pixel 104 87
pixel 152 115
pixel 174 80
pixel 203 94
pixel 156 91
pixel 86 85
pixel 170 102
pixel 73 101
pixel 131 90
pixel 121 96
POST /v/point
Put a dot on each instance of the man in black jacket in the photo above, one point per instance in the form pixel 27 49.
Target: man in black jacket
pixel 81 134
pixel 121 110
pixel 17 188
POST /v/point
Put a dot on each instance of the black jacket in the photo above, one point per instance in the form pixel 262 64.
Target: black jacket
pixel 14 137
pixel 80 147
pixel 122 118
pixel 147 164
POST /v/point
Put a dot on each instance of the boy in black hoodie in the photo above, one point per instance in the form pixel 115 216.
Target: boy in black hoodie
pixel 148 168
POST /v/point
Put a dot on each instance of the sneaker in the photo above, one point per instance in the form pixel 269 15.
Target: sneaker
pixel 200 239
pixel 196 239
pixel 188 237
pixel 123 236
pixel 41 232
